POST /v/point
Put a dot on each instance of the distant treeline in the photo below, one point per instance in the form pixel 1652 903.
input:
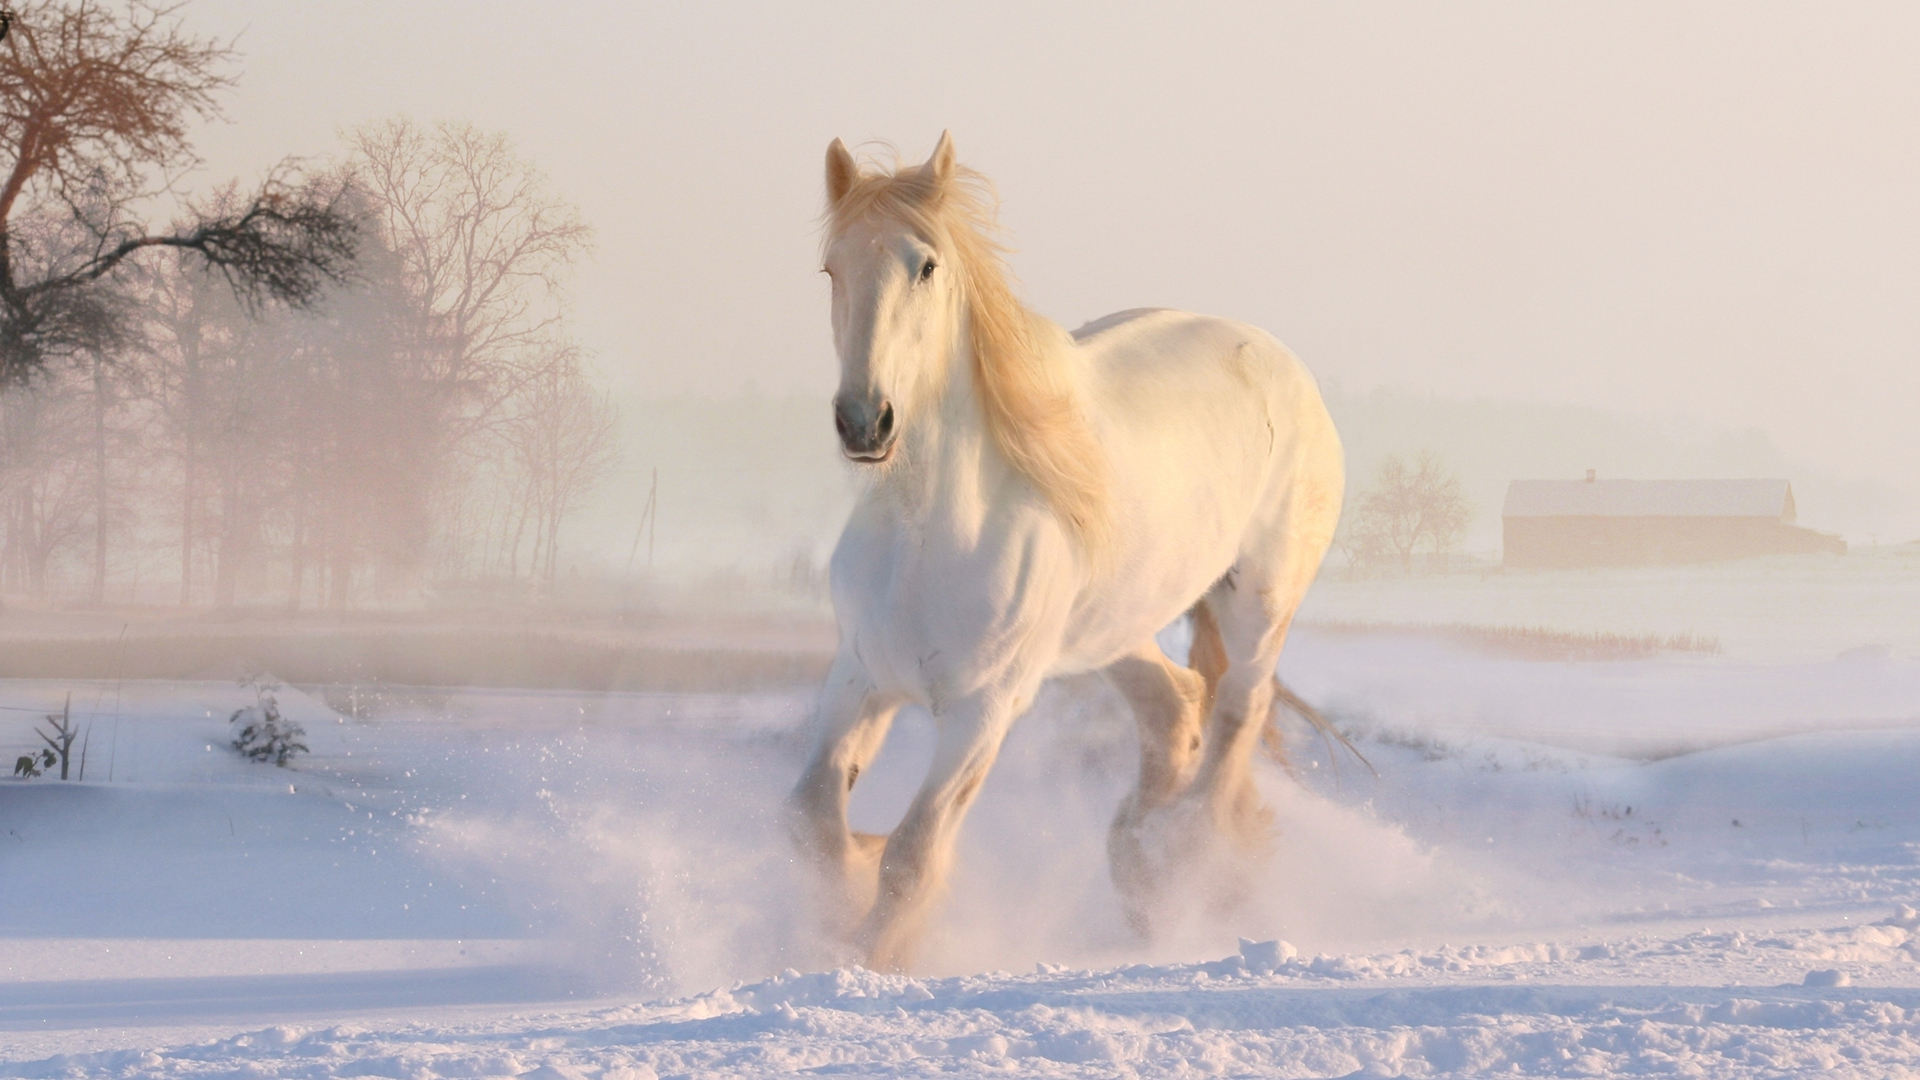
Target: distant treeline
pixel 431 420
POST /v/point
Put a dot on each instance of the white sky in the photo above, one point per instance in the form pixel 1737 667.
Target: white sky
pixel 1710 209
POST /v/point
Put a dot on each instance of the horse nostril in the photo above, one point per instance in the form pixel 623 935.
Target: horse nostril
pixel 865 429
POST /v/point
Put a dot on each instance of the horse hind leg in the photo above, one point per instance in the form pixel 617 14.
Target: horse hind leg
pixel 1196 789
pixel 1245 629
pixel 1168 703
pixel 1208 657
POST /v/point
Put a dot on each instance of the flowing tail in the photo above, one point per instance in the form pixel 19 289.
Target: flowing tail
pixel 1208 656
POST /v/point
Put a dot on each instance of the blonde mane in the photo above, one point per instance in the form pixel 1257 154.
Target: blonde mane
pixel 1031 400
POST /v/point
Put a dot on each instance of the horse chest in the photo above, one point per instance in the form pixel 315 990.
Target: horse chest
pixel 935 618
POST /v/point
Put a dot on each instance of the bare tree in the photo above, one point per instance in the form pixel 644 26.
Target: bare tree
pixel 566 439
pixel 336 452
pixel 108 394
pixel 235 402
pixel 95 107
pixel 304 444
pixel 1408 505
pixel 45 490
pixel 184 327
pixel 483 248
pixel 364 437
pixel 214 373
pixel 246 416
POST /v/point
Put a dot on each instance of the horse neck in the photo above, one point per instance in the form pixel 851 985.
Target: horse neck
pixel 950 467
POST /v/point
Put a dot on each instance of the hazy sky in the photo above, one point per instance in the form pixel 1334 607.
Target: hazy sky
pixel 1702 209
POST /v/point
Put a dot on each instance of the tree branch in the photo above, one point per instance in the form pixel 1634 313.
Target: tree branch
pixel 283 246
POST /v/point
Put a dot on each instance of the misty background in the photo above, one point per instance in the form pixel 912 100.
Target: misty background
pixel 1651 240
pixel 523 528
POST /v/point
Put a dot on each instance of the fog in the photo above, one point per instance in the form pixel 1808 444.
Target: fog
pixel 525 550
pixel 1695 219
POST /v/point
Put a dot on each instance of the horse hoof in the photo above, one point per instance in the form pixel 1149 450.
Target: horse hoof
pixel 1184 857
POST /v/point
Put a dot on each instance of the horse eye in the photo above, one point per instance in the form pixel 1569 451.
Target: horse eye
pixel 926 270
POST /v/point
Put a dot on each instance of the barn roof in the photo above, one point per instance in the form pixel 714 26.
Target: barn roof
pixel 1650 498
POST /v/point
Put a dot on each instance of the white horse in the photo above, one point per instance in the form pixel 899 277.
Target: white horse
pixel 1042 503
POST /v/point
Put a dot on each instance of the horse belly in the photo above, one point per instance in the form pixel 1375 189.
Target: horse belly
pixel 1190 427
pixel 1175 540
pixel 1111 621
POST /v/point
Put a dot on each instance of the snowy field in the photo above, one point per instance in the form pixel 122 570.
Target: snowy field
pixel 1684 865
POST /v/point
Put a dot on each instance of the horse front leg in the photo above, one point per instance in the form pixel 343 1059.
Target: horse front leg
pixel 853 719
pixel 919 853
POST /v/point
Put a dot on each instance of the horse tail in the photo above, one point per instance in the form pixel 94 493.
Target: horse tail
pixel 1208 657
pixel 1286 698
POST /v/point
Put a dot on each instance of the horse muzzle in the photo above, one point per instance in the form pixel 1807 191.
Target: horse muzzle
pixel 866 428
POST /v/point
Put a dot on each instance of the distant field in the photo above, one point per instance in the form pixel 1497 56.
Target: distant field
pixel 587 659
pixel 1784 608
pixel 1794 608
pixel 1534 642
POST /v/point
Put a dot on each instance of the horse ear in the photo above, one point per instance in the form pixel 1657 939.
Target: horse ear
pixel 841 172
pixel 939 168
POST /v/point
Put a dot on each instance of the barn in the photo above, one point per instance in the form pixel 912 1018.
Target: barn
pixel 1550 524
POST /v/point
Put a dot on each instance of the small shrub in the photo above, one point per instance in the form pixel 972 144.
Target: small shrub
pixel 28 766
pixel 60 743
pixel 263 734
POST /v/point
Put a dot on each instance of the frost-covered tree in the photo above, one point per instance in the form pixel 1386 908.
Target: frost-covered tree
pixel 261 733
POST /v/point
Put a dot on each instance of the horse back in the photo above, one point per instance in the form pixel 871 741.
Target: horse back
pixel 1234 386
pixel 1220 447
pixel 1118 318
pixel 1226 401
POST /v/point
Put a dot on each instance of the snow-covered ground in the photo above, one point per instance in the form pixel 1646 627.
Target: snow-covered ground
pixel 1782 608
pixel 1674 866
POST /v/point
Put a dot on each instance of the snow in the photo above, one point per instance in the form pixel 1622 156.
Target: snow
pixel 1685 865
pixel 1780 609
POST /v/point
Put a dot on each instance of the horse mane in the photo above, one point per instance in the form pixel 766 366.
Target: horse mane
pixel 1033 405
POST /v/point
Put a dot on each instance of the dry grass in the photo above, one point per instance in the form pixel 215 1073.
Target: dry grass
pixel 450 656
pixel 723 658
pixel 1536 642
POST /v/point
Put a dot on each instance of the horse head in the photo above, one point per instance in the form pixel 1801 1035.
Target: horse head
pixel 896 295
